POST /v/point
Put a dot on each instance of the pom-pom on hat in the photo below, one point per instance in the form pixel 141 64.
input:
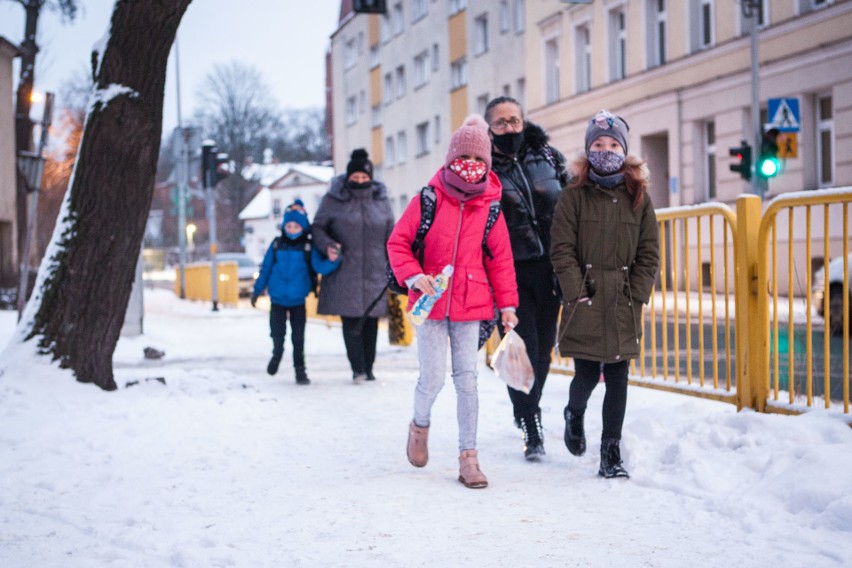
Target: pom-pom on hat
pixel 604 123
pixel 471 139
pixel 295 212
pixel 359 162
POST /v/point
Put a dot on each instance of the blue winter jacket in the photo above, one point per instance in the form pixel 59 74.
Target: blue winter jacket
pixel 288 279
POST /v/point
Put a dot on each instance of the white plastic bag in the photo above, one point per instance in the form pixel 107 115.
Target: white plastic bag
pixel 512 364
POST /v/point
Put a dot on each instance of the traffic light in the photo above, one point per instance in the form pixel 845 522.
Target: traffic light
pixel 215 165
pixel 743 154
pixel 768 165
pixel 369 6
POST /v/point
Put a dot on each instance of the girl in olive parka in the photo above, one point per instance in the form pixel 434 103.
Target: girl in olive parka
pixel 605 252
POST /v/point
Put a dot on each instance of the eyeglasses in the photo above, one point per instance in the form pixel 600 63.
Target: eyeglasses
pixel 500 125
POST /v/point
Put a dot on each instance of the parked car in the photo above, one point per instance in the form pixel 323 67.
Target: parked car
pixel 247 270
pixel 835 293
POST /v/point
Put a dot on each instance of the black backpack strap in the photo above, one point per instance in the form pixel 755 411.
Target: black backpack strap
pixel 311 272
pixel 276 244
pixel 493 214
pixel 428 204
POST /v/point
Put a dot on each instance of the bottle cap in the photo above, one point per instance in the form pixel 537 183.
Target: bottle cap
pixel 448 270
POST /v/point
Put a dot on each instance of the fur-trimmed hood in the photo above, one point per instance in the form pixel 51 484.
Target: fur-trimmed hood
pixel 341 192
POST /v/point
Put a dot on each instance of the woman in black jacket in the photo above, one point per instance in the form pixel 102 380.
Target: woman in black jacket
pixel 532 173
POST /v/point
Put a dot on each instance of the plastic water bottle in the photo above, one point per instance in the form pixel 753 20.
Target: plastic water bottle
pixel 424 304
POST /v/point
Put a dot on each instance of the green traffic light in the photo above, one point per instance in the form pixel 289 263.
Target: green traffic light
pixel 769 168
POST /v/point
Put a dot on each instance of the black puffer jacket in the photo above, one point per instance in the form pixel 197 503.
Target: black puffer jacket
pixel 531 182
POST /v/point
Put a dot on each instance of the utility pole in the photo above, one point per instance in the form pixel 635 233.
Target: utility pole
pixel 182 179
pixel 751 10
pixel 208 169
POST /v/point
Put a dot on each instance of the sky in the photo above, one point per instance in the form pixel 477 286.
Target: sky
pixel 285 42
pixel 220 464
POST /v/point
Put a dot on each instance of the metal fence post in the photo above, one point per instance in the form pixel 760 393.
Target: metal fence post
pixel 750 379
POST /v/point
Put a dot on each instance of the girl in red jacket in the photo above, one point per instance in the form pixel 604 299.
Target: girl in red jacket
pixel 464 187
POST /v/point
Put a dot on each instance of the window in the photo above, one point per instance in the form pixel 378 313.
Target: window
pixel 401 147
pixel 423 141
pixel 360 43
pixel 617 45
pixel 481 103
pixel 521 91
pixel 480 34
pixel 362 101
pixel 385 28
pixel 350 54
pixel 505 24
pixel 387 90
pixel 656 32
pixel 825 141
pixel 419 10
pixel 701 24
pixel 519 16
pixel 400 82
pixel 375 57
pixel 351 110
pixel 390 152
pixel 397 19
pixel 458 73
pixel 583 53
pixel 437 129
pixel 376 116
pixel 436 61
pixel 506 91
pixel 710 159
pixel 456 6
pixel 403 203
pixel 808 5
pixel 276 207
pixel 421 69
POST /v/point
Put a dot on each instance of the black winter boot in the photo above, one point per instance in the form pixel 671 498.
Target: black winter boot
pixel 272 368
pixel 575 434
pixel 302 376
pixel 533 437
pixel 611 460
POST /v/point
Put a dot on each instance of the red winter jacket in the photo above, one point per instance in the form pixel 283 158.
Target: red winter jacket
pixel 455 238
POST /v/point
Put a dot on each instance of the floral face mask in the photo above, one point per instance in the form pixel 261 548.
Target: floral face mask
pixel 470 171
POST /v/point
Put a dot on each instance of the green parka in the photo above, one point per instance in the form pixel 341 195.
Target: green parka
pixel 600 244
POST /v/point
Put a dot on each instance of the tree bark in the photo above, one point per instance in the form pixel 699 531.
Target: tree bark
pixel 85 280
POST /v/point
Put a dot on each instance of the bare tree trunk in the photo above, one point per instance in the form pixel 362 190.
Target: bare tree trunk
pixel 84 282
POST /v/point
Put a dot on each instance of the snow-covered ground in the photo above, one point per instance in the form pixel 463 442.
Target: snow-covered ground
pixel 225 466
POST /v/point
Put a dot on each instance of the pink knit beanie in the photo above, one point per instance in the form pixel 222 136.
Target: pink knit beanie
pixel 471 139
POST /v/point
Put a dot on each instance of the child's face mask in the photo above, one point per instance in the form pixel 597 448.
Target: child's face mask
pixel 469 169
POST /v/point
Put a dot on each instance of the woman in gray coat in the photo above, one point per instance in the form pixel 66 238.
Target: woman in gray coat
pixel 354 222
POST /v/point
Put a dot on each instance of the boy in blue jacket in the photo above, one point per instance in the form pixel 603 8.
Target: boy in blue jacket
pixel 289 272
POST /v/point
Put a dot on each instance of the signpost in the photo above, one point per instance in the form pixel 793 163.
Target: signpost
pixel 784 116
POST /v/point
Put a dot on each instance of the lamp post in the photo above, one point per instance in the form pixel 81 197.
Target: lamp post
pixel 751 10
pixel 33 165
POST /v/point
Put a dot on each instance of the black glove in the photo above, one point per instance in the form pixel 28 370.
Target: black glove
pixel 254 300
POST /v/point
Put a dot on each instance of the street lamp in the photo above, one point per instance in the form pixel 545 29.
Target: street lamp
pixel 190 237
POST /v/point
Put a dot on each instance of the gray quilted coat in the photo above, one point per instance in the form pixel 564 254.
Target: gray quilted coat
pixel 361 221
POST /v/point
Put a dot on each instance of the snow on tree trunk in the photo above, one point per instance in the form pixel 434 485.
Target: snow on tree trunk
pixel 84 282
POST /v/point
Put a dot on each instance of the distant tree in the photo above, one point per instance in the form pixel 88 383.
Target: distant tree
pixel 302 137
pixel 77 309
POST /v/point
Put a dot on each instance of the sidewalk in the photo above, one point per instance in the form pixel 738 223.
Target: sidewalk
pixel 226 466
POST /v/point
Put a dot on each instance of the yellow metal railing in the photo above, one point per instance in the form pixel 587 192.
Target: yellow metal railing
pixel 795 371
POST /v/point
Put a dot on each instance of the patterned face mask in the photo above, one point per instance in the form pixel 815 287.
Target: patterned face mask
pixel 606 162
pixel 470 171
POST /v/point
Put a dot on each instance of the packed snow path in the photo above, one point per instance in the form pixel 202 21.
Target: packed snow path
pixel 226 466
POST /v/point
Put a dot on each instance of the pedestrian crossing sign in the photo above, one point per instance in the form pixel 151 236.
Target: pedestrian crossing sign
pixel 784 114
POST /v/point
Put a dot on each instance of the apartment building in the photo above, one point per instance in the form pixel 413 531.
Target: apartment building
pixel 680 72
pixel 403 81
pixel 8 218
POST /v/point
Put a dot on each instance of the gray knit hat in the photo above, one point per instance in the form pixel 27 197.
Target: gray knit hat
pixel 604 123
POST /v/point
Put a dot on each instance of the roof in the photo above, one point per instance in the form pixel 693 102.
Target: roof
pixel 9 47
pixel 268 174
pixel 259 207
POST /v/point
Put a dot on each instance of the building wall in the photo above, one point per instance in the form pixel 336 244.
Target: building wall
pixel 8 231
pixel 437 106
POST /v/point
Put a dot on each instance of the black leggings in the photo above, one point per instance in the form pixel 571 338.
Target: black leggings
pixel 360 343
pixel 278 331
pixel 538 310
pixel 586 376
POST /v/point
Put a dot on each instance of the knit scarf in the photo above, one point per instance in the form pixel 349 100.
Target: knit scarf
pixel 460 189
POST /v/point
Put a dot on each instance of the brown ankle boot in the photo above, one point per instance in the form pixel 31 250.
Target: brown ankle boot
pixel 469 473
pixel 418 445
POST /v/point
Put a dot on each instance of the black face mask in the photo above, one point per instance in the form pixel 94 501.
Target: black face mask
pixel 509 143
pixel 356 186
